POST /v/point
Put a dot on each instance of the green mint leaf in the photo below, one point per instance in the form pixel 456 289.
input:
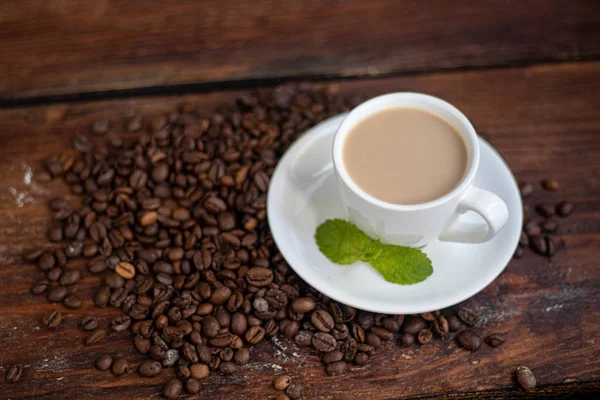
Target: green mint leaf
pixel 341 241
pixel 372 252
pixel 402 265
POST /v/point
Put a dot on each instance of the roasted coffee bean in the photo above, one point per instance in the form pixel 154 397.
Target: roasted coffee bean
pixel 199 371
pixel 193 386
pixel 40 287
pixel 407 339
pixel 120 324
pixel 149 368
pixel 495 340
pixel 173 389
pixel 303 338
pixel 336 368
pixel 413 326
pixel 14 373
pixel 551 247
pixel 361 358
pixel 103 363
pixel 373 340
pixel 545 210
pixel 69 277
pixel 549 226
pixel 72 301
pixel 100 126
pixel 453 323
pixel 281 382
pixel 564 208
pixel 220 295
pixel 323 342
pixel 210 327
pixel 332 356
pixel 303 305
pixel 358 333
pixel 540 245
pixel 54 274
pixel 295 391
pixel 241 356
pixel 57 294
pixel 102 297
pixel 322 320
pixel 440 326
pixel 430 316
pixel 468 340
pixel 290 329
pixel 525 378
pixel 551 185
pixel 255 334
pixel 120 366
pixel 89 323
pixel 171 357
pixel 52 319
pixel 125 270
pixel 391 324
pixel 382 333
pixel 424 336
pixel 227 368
pixel 524 240
pixel 142 344
pixel 525 188
pixel 532 229
pixel 96 336
pixel 33 254
pixel 259 276
pixel 468 317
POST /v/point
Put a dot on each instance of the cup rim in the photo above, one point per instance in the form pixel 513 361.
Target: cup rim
pixel 466 127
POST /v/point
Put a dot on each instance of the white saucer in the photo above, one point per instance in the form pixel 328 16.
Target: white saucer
pixel 303 194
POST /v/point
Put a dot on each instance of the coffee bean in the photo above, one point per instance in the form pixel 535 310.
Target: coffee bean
pixel 361 359
pixel 322 320
pixel 382 333
pixel 424 336
pixel 89 323
pixel 413 326
pixel 210 327
pixel 524 240
pixel 282 396
pixel 259 276
pixel 57 294
pixel 255 334
pixel 46 261
pixel 199 371
pixel 120 324
pixel 373 340
pixel 96 336
pixel 332 356
pixel 525 378
pixel 120 366
pixel 125 270
pixel 532 229
pixel 54 274
pixel 142 344
pixel 40 287
pixel 549 226
pixel 323 342
pixel 227 368
pixel 407 339
pixel 467 316
pixel 241 356
pixel 545 210
pixel 72 301
pixel 391 324
pixel 525 188
pixel 173 389
pixel 495 340
pixel 103 363
pixel 14 373
pixel 220 295
pixel 551 247
pixel 303 305
pixel 102 297
pixel 100 126
pixel 303 338
pixel 564 208
pixel 440 326
pixel 540 245
pixel 551 185
pixel 33 254
pixel 149 368
pixel 193 386
pixel 52 319
pixel 468 340
pixel 294 391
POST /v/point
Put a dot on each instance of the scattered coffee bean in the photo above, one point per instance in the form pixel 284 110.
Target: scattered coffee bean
pixel 40 287
pixel 324 342
pixel 125 270
pixel 193 386
pixel 495 340
pixel 294 391
pixel 14 373
pixel 241 356
pixel 322 321
pixel 453 323
pixel 281 382
pixel 468 317
pixel 89 323
pixel 120 324
pixel 564 208
pixel 424 336
pixel 72 301
pixel 336 368
pixel 96 336
pixel 52 319
pixel 199 371
pixel 120 366
pixel 532 229
pixel 545 210
pixel 149 368
pixel 173 389
pixel 526 188
pixel 57 294
pixel 303 305
pixel 413 326
pixel 440 326
pixel 103 363
pixel 551 185
pixel 282 396
pixel 549 226
pixel 468 340
pixel 525 378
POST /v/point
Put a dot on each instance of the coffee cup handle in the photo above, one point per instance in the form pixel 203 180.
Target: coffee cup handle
pixel 489 206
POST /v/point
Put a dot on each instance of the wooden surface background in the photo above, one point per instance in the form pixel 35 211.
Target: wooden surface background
pixel 531 95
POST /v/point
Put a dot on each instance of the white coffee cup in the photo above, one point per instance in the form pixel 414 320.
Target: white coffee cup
pixel 418 225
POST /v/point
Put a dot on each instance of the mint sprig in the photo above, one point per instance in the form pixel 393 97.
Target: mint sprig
pixel 343 243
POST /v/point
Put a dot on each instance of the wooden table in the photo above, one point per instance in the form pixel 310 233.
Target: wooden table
pixel 527 73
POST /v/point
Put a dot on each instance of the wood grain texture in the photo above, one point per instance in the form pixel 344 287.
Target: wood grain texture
pixel 58 47
pixel 543 120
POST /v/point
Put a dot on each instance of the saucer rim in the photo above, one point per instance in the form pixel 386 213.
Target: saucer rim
pixel 396 308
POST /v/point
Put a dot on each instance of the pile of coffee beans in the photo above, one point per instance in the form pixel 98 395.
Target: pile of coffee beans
pixel 174 220
pixel 536 234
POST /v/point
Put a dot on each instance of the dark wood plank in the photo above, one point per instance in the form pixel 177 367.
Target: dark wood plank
pixel 545 122
pixel 57 47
